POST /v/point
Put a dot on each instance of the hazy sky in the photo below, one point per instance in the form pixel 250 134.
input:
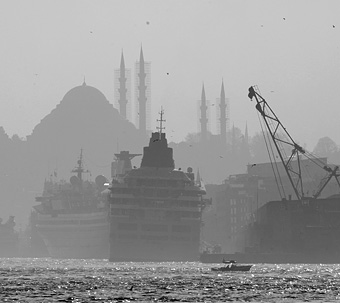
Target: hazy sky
pixel 290 49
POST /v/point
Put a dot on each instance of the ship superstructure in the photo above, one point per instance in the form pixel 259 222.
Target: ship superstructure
pixel 156 210
pixel 72 217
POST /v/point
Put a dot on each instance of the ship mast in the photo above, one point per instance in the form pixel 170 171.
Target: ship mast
pixel 160 127
pixel 79 169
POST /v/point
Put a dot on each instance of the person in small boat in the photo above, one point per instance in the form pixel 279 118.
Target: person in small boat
pixel 229 262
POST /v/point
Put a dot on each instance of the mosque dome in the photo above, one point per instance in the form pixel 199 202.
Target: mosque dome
pixel 85 119
pixel 81 107
pixel 84 94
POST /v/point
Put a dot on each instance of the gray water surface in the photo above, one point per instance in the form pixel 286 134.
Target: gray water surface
pixel 49 280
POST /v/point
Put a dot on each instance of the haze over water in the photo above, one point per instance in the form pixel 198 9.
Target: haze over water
pixel 49 280
pixel 289 48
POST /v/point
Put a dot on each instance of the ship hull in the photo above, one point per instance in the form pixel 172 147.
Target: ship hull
pixel 232 268
pixel 75 236
pixel 154 245
pixel 293 231
pixel 153 252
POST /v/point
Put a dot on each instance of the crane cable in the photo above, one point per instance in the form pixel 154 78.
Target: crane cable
pixel 271 160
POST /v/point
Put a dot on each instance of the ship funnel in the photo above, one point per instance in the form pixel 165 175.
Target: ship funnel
pixel 158 154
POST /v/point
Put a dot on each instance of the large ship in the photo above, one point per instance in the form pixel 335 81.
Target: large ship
pixel 155 210
pixel 9 240
pixel 72 217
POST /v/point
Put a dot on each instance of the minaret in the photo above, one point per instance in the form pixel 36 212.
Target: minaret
pixel 233 140
pixel 246 137
pixel 245 147
pixel 142 93
pixel 223 116
pixel 122 88
pixel 204 119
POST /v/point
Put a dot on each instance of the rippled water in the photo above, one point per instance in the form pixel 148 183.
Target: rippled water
pixel 48 280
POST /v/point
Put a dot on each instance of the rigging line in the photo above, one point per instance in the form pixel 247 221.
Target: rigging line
pixel 307 172
pixel 316 160
pixel 276 133
pixel 278 137
pixel 270 158
pixel 274 162
pixel 280 183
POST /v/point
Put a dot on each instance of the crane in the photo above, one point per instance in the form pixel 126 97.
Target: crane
pixel 291 162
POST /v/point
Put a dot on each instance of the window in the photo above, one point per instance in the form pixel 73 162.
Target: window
pixel 181 228
pixel 127 226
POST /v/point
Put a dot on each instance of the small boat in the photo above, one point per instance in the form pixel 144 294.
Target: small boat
pixel 232 266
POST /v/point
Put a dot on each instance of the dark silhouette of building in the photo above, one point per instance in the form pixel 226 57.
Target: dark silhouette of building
pixel 83 119
pixel 123 89
pixel 246 136
pixel 143 93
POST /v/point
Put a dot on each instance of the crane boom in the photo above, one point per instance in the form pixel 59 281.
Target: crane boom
pixel 279 137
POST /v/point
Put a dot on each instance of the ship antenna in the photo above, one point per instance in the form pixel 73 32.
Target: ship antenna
pixel 79 169
pixel 160 127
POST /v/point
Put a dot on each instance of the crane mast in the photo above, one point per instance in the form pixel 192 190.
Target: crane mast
pixel 280 136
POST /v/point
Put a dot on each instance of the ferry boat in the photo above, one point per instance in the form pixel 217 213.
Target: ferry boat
pixel 155 210
pixel 72 217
